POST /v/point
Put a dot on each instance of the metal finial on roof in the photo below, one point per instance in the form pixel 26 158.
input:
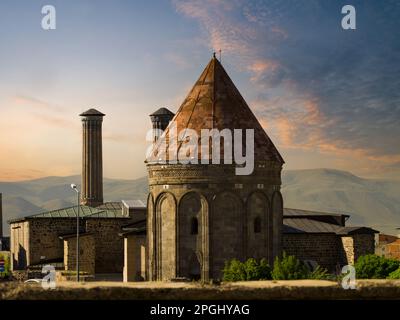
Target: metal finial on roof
pixel 214 54
pixel 220 55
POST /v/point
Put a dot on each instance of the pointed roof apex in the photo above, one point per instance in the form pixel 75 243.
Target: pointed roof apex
pixel 162 111
pixel 214 102
pixel 92 112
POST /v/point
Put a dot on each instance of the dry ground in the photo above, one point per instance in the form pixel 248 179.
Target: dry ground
pixel 252 290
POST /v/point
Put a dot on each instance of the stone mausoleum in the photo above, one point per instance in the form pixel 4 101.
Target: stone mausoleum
pixel 201 215
pixel 198 215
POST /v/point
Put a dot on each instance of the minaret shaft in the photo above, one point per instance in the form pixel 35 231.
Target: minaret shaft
pixel 92 158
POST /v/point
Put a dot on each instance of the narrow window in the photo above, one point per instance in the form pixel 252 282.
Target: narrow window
pixel 194 226
pixel 257 225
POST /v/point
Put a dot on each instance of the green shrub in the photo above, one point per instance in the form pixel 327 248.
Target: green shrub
pixel 235 270
pixel 395 274
pixel 265 270
pixel 371 266
pixel 252 269
pixel 320 273
pixel 289 268
pixel 286 268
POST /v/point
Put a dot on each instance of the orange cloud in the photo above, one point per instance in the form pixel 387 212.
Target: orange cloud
pixel 259 67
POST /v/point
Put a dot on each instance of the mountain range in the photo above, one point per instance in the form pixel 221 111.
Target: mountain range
pixel 370 202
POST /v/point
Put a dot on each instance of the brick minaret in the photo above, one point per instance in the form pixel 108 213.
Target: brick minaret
pixel 160 120
pixel 92 158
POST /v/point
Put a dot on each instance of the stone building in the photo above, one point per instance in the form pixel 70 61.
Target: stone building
pixel 4 241
pixel 388 246
pixel 200 212
pixel 49 237
pixel 324 238
pixel 201 215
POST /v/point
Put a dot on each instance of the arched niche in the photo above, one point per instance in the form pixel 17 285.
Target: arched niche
pixel 165 236
pixel 192 235
pixel 227 235
pixel 151 237
pixel 258 223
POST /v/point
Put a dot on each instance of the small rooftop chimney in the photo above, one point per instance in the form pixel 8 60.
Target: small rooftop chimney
pixel 160 120
pixel 92 158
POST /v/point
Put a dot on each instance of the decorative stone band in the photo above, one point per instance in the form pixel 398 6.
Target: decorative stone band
pixel 265 172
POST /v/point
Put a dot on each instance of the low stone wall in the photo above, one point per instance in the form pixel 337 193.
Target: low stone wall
pixel 329 250
pixel 325 249
pixel 44 238
pixel 86 256
pixel 109 245
pixel 256 290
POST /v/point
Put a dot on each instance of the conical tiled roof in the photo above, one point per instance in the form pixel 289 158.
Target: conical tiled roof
pixel 162 111
pixel 215 103
pixel 92 112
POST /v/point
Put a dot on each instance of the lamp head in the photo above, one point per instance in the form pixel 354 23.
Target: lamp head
pixel 73 186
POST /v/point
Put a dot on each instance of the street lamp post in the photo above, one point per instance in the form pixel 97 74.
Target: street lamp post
pixel 73 186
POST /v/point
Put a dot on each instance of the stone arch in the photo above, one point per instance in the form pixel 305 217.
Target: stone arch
pixel 226 230
pixel 151 237
pixel 277 223
pixel 192 248
pixel 165 223
pixel 258 208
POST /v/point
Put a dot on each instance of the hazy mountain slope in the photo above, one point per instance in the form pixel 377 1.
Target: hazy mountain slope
pixel 57 203
pixel 374 203
pixel 16 207
pixel 29 197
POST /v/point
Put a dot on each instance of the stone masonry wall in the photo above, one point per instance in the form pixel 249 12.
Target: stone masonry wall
pixel 348 249
pixel 109 245
pixel 86 254
pixel 358 245
pixel 363 244
pixel 325 249
pixel 44 238
pixel 223 225
pixel 135 258
pixel 328 250
pixel 19 245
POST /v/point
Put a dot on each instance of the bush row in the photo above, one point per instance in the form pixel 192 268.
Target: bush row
pixel 288 267
pixel 371 266
pixel 285 268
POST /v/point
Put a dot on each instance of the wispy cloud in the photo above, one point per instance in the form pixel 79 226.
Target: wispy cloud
pixel 320 88
pixel 31 102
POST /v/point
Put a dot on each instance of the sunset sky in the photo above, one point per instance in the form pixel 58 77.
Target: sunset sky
pixel 327 97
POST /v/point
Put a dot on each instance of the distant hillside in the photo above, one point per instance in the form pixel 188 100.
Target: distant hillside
pixel 375 203
pixel 34 196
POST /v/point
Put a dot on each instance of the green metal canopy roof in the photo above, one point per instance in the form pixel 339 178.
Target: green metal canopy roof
pixel 106 210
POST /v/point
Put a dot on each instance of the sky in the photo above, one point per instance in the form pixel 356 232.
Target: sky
pixel 326 96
